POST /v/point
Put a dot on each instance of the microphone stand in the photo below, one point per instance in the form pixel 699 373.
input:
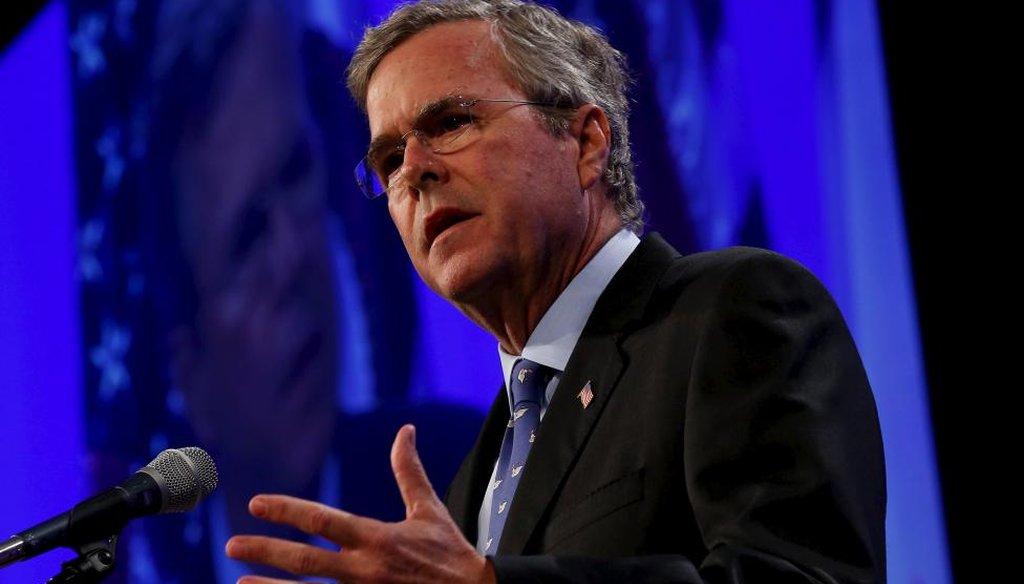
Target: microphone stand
pixel 95 562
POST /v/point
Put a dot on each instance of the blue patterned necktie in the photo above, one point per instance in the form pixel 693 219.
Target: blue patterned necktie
pixel 529 381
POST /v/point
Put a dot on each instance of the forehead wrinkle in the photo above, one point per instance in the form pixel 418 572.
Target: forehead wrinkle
pixel 484 47
pixel 490 51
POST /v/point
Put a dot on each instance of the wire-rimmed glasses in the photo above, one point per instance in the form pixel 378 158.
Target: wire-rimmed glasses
pixel 444 126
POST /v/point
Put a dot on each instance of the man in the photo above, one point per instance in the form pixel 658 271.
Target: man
pixel 701 419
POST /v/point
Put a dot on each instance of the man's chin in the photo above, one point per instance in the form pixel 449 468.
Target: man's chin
pixel 464 280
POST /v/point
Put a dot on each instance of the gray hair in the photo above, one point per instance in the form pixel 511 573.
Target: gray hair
pixel 550 58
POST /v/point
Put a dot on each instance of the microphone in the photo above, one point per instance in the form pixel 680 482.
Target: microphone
pixel 174 482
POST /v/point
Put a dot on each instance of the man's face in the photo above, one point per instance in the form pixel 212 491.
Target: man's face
pixel 262 376
pixel 502 211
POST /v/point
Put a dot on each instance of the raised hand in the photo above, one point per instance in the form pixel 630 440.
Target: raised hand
pixel 426 547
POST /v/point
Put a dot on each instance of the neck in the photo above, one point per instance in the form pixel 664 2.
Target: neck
pixel 513 312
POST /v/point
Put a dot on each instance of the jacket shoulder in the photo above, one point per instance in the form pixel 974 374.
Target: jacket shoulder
pixel 740 271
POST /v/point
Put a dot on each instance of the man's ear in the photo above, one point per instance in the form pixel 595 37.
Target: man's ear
pixel 187 375
pixel 595 142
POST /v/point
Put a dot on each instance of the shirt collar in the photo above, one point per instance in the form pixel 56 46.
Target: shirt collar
pixel 552 342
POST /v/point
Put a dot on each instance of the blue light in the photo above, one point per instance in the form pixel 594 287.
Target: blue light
pixel 41 421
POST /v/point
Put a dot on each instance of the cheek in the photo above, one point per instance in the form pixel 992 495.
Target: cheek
pixel 530 196
pixel 544 165
pixel 403 216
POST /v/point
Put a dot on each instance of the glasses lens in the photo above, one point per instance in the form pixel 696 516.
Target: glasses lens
pixel 447 126
pixel 449 130
pixel 368 181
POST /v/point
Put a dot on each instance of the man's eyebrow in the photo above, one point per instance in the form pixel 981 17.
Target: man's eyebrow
pixel 425 111
pixel 437 106
pixel 380 142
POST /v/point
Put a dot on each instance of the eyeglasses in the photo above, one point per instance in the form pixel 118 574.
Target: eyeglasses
pixel 444 126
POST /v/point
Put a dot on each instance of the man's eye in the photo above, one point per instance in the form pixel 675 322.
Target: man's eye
pixel 390 163
pixel 451 122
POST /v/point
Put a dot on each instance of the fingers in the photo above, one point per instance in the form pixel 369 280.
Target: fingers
pixel 297 558
pixel 265 580
pixel 417 493
pixel 314 518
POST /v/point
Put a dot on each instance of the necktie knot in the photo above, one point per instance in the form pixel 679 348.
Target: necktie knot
pixel 529 380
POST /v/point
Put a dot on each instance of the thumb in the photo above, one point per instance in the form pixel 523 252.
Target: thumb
pixel 417 493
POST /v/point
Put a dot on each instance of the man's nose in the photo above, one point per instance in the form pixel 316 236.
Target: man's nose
pixel 422 168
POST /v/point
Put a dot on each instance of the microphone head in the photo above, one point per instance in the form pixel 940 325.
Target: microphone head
pixel 188 476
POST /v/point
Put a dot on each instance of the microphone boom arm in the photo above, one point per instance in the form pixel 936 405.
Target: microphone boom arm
pixel 95 562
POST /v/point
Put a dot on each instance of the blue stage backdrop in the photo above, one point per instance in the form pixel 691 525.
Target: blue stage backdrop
pixel 185 259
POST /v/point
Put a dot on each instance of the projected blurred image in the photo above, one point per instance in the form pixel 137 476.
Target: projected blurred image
pixel 266 338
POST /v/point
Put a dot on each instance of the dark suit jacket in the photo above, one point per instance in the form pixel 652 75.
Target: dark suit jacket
pixel 732 436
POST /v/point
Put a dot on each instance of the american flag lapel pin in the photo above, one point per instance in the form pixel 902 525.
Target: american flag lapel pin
pixel 586 395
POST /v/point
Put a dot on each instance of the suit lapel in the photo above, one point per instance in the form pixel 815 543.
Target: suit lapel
pixel 561 436
pixel 598 361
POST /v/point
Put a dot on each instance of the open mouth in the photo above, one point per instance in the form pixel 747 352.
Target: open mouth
pixel 441 220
